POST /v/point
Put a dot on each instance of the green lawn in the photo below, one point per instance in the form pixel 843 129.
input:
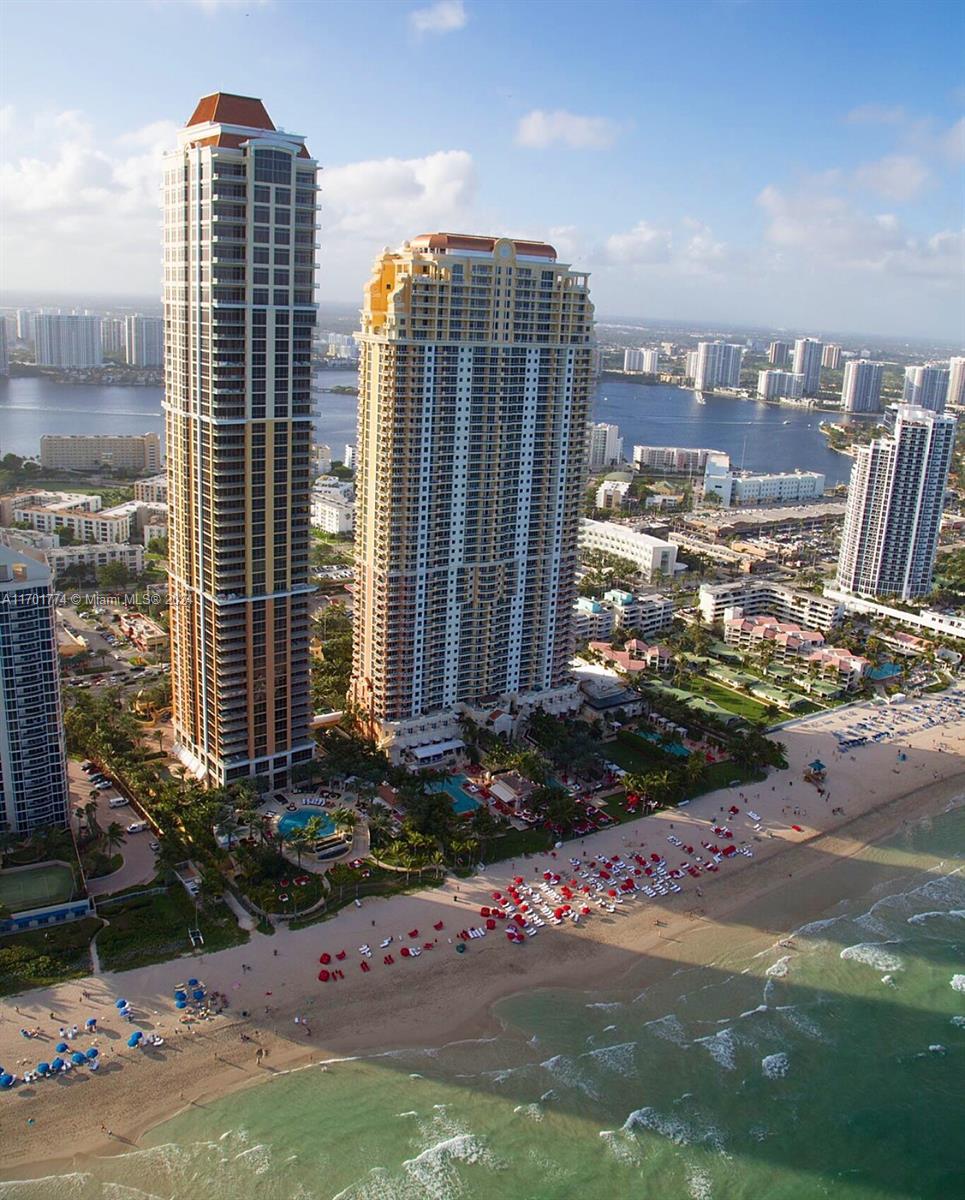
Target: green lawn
pixel 152 929
pixel 47 883
pixel 735 702
pixel 633 760
pixel 46 957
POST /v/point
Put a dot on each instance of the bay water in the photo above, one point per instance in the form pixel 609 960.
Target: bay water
pixel 761 437
pixel 832 1066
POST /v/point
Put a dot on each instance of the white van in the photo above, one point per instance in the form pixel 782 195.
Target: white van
pixel 116 802
pixel 137 827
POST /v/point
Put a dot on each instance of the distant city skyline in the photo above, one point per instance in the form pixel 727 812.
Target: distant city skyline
pixel 844 214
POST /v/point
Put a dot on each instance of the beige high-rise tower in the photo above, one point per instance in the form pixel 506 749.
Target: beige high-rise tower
pixel 239 263
pixel 474 395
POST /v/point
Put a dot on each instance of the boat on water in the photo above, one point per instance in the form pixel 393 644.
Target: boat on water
pixel 699 397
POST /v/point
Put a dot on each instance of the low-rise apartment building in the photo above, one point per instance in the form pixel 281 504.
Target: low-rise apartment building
pixel 140 452
pixel 757 596
pixel 152 491
pixel 795 647
pixel 653 557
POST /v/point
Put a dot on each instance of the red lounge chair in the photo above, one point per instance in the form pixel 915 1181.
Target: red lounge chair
pixel 438 925
pixel 365 966
pixel 413 933
pixel 340 956
pixel 428 945
pixel 388 960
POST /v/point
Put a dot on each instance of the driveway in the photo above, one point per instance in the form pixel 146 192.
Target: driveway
pixel 139 859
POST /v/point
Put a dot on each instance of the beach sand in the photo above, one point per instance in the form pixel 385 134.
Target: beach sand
pixel 444 996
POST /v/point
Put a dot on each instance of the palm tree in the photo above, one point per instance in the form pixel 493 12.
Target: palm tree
pixel 344 817
pixel 7 843
pixel 90 815
pixel 113 836
pixel 298 841
pixel 380 826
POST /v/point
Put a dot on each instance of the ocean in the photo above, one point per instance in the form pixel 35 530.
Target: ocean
pixel 757 436
pixel 832 1067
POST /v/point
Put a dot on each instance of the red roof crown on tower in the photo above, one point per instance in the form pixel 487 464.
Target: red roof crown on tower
pixel 224 108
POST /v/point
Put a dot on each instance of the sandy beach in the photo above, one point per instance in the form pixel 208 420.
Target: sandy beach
pixel 793 875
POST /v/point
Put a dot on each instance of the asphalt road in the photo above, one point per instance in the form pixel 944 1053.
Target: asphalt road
pixel 139 858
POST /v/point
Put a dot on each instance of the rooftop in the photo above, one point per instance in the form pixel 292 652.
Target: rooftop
pixel 225 108
pixel 454 242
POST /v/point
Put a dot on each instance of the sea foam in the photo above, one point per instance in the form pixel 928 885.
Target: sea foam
pixel 871 954
pixel 779 969
pixel 775 1066
pixel 721 1048
pixel 958 983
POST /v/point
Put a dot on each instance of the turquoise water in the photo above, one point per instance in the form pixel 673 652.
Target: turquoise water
pixel 462 801
pixel 829 1069
pixel 300 818
pixel 674 748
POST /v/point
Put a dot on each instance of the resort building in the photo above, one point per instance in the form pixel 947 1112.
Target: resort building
pixel 653 557
pixel 861 389
pixel 592 619
pixel 239 275
pixel 144 632
pixel 648 615
pixel 606 446
pixel 333 513
pixel 474 396
pixel 80 515
pixel 894 512
pixel 137 452
pixel 63 558
pixel 68 341
pixel 789 645
pixel 926 386
pixel 33 763
pixel 758 596
pixel 635 657
pixel 807 362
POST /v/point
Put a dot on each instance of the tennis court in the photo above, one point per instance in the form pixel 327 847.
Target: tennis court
pixel 34 887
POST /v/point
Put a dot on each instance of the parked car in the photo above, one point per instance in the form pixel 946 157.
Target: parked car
pixel 154 845
pixel 137 827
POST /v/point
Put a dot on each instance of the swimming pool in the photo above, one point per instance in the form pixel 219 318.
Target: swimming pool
pixel 300 818
pixel 462 801
pixel 674 748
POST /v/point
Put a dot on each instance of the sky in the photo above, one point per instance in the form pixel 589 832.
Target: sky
pixel 763 162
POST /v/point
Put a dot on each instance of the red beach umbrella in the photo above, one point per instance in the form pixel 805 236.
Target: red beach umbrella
pixel 325 958
pixel 324 976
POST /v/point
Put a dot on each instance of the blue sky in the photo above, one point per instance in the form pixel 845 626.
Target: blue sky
pixel 791 164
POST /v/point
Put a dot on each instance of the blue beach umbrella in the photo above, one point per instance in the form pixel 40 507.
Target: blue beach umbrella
pixel 43 1068
pixel 78 1059
pixel 198 994
pixel 193 982
pixel 92 1053
pixel 120 1004
pixel 180 994
pixel 57 1064
pixel 181 1004
pixel 62 1047
pixel 6 1080
pixel 90 1021
pixel 134 1038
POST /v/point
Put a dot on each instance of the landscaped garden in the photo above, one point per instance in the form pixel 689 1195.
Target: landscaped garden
pixel 46 957
pixel 144 929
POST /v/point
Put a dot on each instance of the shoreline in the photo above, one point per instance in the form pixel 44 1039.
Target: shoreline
pixel 456 996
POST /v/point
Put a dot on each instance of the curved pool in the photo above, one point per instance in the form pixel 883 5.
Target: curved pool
pixel 300 818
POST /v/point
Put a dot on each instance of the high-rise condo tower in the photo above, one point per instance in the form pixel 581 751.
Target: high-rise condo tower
pixel 239 263
pixel 474 395
pixel 894 512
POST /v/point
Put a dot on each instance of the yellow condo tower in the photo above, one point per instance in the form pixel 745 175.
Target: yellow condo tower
pixel 474 394
pixel 239 264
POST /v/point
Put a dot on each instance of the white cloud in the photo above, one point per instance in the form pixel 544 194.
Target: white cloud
pixel 445 16
pixel 644 243
pixel 539 129
pixel 876 114
pixel 953 142
pixel 895 177
pixel 813 228
pixel 393 198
